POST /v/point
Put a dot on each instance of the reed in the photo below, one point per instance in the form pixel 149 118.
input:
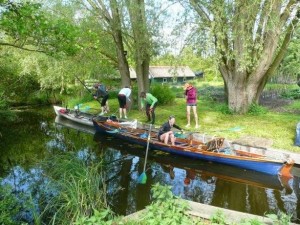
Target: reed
pixel 80 188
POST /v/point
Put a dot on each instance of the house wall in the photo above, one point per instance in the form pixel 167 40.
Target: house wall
pixel 170 80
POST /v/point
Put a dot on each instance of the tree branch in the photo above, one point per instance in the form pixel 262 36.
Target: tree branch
pixel 21 47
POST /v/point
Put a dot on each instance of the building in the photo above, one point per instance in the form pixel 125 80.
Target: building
pixel 168 74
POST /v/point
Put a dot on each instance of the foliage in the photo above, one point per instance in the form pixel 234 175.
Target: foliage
pixel 79 188
pixel 166 208
pixel 280 218
pixel 103 217
pixel 163 93
pixel 25 24
pixel 9 206
pixel 218 218
pixel 257 110
pixel 291 94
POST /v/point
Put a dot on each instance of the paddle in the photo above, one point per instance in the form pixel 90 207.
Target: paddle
pixel 142 179
pixel 86 87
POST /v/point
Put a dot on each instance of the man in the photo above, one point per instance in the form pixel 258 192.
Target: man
pixel 150 101
pixel 123 98
pixel 101 92
pixel 191 103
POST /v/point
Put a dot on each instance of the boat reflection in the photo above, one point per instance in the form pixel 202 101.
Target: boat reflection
pixel 206 170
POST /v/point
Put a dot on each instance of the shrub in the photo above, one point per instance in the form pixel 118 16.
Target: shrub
pixel 291 94
pixel 163 93
pixel 257 110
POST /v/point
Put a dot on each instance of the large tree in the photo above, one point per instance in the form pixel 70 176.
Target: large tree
pixel 250 39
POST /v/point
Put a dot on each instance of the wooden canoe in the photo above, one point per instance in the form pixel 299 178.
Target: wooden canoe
pixel 212 150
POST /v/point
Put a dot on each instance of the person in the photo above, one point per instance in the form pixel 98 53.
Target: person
pixel 101 92
pixel 123 98
pixel 150 101
pixel 190 175
pixel 191 102
pixel 165 133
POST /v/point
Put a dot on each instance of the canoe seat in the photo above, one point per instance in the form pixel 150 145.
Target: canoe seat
pixel 214 144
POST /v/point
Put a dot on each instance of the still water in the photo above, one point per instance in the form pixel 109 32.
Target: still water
pixel 26 142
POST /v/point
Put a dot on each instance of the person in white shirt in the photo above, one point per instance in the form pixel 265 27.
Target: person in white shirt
pixel 124 98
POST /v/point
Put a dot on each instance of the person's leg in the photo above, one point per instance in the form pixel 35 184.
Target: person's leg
pixel 153 114
pixel 148 112
pixel 120 106
pixel 188 115
pixel 125 113
pixel 172 138
pixel 165 137
pixel 195 115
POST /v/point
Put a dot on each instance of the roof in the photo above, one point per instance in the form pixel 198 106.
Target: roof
pixel 166 72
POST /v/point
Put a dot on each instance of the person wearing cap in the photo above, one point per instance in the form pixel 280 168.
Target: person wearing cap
pixel 191 102
pixel 123 98
pixel 149 102
pixel 101 92
pixel 165 133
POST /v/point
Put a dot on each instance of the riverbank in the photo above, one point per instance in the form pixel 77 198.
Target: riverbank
pixel 206 212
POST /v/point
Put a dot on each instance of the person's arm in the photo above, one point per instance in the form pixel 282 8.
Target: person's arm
pixel 152 99
pixel 177 127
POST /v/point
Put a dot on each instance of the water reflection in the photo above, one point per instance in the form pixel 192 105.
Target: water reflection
pixel 213 184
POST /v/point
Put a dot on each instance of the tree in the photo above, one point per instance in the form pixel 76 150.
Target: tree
pixel 110 19
pixel 250 40
pixel 141 42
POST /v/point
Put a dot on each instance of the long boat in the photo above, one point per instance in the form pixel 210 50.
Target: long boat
pixel 203 169
pixel 213 150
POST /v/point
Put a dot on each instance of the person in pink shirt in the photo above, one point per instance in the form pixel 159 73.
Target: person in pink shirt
pixel 191 103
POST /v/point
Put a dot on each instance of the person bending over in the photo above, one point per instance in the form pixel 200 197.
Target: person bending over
pixel 124 98
pixel 150 101
pixel 101 92
pixel 165 133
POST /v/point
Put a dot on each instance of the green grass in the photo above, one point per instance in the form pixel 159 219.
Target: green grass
pixel 279 127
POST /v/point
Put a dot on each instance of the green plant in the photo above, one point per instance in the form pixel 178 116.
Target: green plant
pixel 218 218
pixel 166 209
pixel 79 188
pixel 257 110
pixel 103 217
pixel 280 218
pixel 163 93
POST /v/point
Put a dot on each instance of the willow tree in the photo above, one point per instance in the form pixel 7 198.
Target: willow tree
pixel 141 42
pixel 109 15
pixel 250 39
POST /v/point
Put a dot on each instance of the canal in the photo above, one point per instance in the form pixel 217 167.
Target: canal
pixel 25 142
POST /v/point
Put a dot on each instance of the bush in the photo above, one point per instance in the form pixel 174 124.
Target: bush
pixel 291 94
pixel 257 110
pixel 163 93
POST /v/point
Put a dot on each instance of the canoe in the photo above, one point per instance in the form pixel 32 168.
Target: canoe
pixel 213 150
pixel 203 169
pixel 73 115
pixel 87 118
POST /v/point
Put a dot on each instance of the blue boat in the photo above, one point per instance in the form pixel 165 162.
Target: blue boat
pixel 213 150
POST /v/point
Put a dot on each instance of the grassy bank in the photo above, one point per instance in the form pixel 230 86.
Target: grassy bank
pixel 279 127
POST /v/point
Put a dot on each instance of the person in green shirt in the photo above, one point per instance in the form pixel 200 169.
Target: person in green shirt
pixel 149 102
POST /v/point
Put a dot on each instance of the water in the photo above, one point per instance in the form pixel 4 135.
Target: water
pixel 27 141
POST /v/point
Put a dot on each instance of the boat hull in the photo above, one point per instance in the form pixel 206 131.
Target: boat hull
pixel 271 167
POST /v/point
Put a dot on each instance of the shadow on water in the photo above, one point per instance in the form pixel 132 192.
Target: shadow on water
pixel 199 181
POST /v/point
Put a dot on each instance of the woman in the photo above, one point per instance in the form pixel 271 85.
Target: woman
pixel 123 98
pixel 149 102
pixel 165 133
pixel 191 102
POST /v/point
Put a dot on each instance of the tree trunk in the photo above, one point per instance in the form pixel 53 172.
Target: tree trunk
pixel 141 45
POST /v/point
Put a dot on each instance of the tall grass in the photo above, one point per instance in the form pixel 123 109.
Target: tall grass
pixel 80 188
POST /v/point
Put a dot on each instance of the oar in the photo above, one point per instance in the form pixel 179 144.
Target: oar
pixel 86 87
pixel 142 179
